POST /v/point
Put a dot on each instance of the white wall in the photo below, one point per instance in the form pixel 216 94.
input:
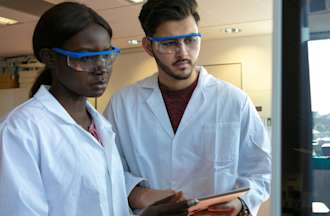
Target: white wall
pixel 255 54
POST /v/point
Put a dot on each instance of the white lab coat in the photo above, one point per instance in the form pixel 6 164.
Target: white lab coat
pixel 220 143
pixel 49 165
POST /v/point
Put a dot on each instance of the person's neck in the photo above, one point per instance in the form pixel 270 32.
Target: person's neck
pixel 75 105
pixel 175 84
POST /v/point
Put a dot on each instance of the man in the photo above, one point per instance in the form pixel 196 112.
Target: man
pixel 183 129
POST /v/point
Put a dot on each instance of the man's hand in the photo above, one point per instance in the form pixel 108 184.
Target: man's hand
pixel 231 208
pixel 170 206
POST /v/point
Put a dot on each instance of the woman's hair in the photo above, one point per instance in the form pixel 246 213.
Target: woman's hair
pixel 156 12
pixel 56 26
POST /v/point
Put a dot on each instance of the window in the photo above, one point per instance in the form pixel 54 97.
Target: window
pixel 319 65
pixel 302 31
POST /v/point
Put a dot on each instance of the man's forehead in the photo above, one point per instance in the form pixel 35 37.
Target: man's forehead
pixel 177 27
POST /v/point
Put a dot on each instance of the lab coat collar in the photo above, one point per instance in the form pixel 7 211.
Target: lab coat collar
pixel 103 128
pixel 158 108
pixel 99 120
pixel 51 104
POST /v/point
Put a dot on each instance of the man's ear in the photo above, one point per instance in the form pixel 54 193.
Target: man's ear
pixel 47 57
pixel 146 43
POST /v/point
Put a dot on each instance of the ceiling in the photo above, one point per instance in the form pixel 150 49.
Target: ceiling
pixel 252 16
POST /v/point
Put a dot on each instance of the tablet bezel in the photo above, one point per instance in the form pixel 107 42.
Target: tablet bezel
pixel 205 202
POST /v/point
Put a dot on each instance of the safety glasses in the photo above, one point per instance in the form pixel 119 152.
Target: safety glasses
pixel 89 61
pixel 172 44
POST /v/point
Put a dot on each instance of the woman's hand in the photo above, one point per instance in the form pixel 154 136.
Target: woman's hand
pixel 141 197
pixel 169 206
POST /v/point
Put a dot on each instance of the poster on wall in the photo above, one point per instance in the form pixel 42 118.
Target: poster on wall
pixel 230 72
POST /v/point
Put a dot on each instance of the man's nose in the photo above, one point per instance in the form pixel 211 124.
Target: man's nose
pixel 181 48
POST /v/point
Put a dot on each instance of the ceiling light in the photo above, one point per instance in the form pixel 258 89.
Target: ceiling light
pixel 134 42
pixel 232 30
pixel 6 21
pixel 136 1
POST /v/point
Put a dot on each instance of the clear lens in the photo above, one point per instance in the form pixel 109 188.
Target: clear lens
pixel 91 63
pixel 191 43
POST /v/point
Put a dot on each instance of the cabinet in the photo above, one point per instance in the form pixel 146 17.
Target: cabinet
pixel 10 98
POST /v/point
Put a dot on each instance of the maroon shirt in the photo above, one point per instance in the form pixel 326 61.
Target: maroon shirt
pixel 176 102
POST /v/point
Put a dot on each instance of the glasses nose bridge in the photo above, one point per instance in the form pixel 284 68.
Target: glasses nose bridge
pixel 100 60
pixel 100 63
pixel 181 42
pixel 181 45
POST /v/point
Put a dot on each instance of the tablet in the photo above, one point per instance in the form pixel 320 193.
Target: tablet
pixel 205 202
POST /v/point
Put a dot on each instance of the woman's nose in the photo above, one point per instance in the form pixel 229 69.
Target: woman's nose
pixel 101 65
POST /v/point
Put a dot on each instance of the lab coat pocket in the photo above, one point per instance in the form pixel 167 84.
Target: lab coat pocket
pixel 221 143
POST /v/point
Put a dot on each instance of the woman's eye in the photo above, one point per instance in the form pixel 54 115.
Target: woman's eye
pixel 169 43
pixel 84 59
pixel 88 59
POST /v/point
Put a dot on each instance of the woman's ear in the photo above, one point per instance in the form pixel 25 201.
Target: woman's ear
pixel 47 57
pixel 146 43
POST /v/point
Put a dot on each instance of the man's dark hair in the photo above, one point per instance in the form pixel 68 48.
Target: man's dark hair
pixel 156 12
pixel 57 25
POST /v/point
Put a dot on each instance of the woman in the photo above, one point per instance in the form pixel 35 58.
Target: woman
pixel 57 153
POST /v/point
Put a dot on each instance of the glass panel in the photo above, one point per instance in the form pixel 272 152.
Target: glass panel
pixel 319 64
pixel 305 132
pixel 296 121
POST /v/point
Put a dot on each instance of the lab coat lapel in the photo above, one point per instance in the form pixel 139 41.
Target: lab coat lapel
pixel 115 170
pixel 108 139
pixel 53 105
pixel 116 175
pixel 157 106
pixel 196 102
pixel 105 133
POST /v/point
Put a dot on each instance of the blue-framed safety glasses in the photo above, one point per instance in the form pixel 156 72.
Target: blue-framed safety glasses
pixel 89 61
pixel 172 44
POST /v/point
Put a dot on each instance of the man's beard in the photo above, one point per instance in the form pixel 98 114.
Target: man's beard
pixel 171 73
